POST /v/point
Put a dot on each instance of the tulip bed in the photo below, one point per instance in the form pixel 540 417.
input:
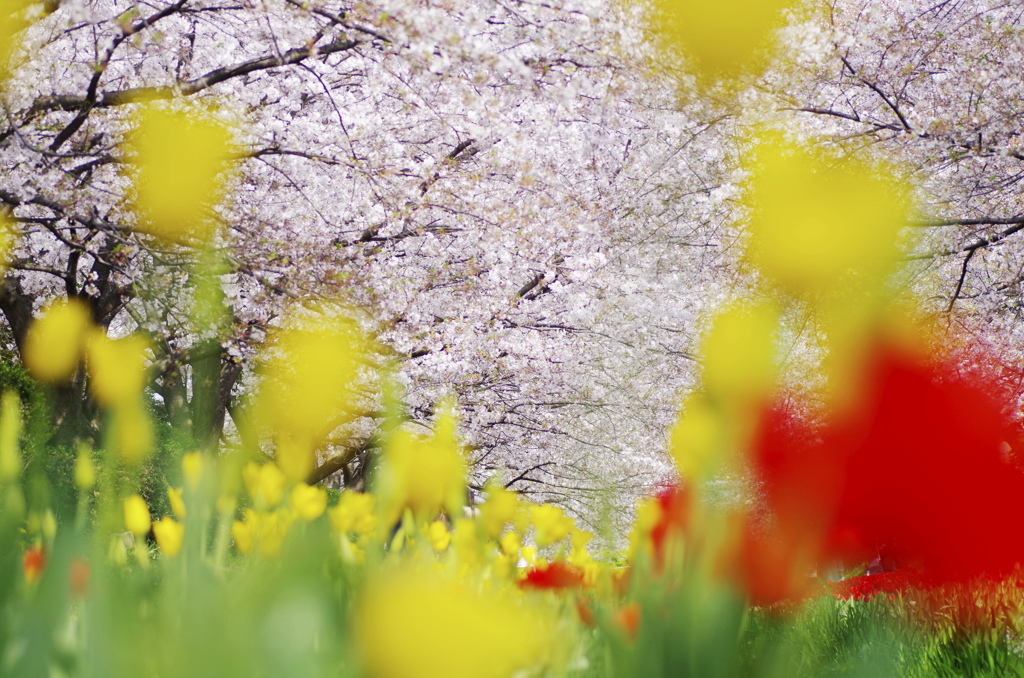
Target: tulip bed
pixel 236 566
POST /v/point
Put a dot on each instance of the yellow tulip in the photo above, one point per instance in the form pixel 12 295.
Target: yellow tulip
pixel 244 532
pixel 133 431
pixel 439 535
pixel 192 465
pixel 117 369
pixel 308 501
pixel 55 341
pixel 177 503
pixel 719 39
pixel 354 513
pixel 136 515
pixel 499 510
pixel 427 475
pixel 169 535
pixel 821 224
pixel 179 176
pixel 85 469
pixel 551 524
pixel 411 625
pixel 264 483
pixel 10 436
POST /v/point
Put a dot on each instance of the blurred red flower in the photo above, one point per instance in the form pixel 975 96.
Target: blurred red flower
pixel 33 562
pixel 553 576
pixel 918 469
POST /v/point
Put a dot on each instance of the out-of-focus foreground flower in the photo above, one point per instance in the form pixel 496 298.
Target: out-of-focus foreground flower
pixel 414 624
pixel 916 467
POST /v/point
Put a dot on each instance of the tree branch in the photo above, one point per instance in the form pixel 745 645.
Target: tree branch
pixel 189 87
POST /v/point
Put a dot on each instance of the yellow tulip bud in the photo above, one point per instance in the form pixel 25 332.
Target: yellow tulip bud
pixel 176 500
pixel 551 524
pixel 133 432
pixel 412 625
pixel 819 224
pixel 53 347
pixel 117 369
pixel 427 475
pixel 136 515
pixel 264 483
pixel 192 466
pixel 439 536
pixel 10 433
pixel 308 501
pixel 85 469
pixel 182 156
pixel 307 388
pixel 354 513
pixel 499 510
pixel 511 542
pixel 723 38
pixel 169 535
pixel 244 532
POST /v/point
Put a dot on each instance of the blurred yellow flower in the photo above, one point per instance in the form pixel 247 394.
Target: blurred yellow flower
pixel 439 535
pixel 503 566
pixel 10 434
pixel 351 552
pixel 427 475
pixel 273 528
pixel 177 503
pixel 354 513
pixel 648 514
pixel 48 525
pixel 579 538
pixel 467 547
pixel 499 510
pixel 117 367
pixel 410 625
pixel 264 483
pixel 55 341
pixel 511 542
pixel 192 464
pixel 308 501
pixel 12 21
pixel 721 38
pixel 820 224
pixel 244 531
pixel 136 515
pixel 179 176
pixel 739 351
pixel 133 431
pixel 307 391
pixel 85 469
pixel 550 523
pixel 169 535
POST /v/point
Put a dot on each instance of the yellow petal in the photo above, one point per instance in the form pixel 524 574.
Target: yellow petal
pixel 177 503
pixel 136 515
pixel 55 341
pixel 408 625
pixel 309 501
pixel 819 224
pixel 182 156
pixel 85 469
pixel 439 535
pixel 117 369
pixel 169 535
pixel 721 38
